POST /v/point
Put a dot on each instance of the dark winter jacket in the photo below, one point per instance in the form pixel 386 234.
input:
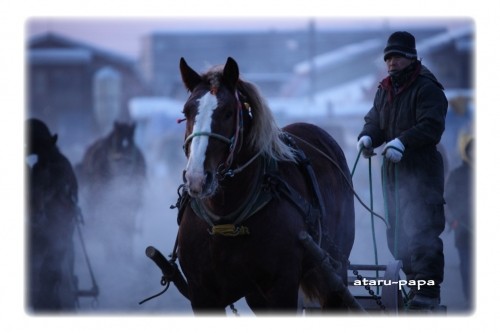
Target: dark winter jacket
pixel 416 115
pixel 53 214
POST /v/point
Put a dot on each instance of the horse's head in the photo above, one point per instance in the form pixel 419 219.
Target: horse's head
pixel 228 122
pixel 122 140
pixel 215 120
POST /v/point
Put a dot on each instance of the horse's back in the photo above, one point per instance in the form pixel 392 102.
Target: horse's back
pixel 322 150
pixel 320 139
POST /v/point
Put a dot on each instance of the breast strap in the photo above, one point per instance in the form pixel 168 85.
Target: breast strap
pixel 259 196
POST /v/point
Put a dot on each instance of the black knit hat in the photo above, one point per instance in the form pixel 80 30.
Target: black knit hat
pixel 401 42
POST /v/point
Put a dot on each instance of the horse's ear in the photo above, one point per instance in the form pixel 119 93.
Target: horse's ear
pixel 231 73
pixel 190 78
pixel 54 139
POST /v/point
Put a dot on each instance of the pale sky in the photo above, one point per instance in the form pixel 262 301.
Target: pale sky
pixel 123 35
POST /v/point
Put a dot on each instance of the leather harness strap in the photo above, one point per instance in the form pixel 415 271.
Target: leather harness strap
pixel 271 185
pixel 258 198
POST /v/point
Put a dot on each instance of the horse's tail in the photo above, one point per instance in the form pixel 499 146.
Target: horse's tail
pixel 325 281
pixel 320 284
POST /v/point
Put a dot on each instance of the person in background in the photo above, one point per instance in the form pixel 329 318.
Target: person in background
pixel 459 194
pixel 408 115
pixel 52 216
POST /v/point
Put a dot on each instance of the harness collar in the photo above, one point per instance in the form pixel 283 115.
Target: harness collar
pixel 230 224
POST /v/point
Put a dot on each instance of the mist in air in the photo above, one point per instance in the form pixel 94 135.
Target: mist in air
pixel 115 237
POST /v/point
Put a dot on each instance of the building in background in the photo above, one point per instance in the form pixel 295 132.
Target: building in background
pixel 273 60
pixel 303 73
pixel 77 89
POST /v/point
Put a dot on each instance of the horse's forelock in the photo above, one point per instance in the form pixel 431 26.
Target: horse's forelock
pixel 213 78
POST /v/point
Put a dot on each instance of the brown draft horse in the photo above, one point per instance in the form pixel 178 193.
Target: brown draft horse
pixel 238 233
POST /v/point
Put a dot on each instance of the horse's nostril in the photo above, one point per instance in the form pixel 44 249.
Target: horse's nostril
pixel 184 176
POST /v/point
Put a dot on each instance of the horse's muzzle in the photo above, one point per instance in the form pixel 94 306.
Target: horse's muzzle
pixel 199 185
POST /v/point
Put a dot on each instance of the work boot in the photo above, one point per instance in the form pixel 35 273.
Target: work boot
pixel 423 303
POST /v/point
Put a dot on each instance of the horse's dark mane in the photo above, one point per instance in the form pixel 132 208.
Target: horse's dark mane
pixel 265 134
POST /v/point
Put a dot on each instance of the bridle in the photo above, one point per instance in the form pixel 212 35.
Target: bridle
pixel 235 142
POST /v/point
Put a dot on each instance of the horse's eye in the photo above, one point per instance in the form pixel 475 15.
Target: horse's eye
pixel 228 114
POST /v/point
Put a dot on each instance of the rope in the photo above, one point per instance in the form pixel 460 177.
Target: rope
pixel 384 187
pixel 386 208
pixel 396 203
pixel 156 295
pixel 94 291
pixel 355 163
pixel 370 209
pixel 241 168
pixel 396 228
pixel 396 199
pixel 372 220
pixel 374 238
pixel 348 180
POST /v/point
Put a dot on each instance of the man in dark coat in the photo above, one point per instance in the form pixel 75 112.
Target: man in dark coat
pixel 52 214
pixel 408 114
pixel 459 203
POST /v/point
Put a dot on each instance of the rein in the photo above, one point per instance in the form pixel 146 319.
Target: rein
pixel 348 180
pixel 209 134
pixel 231 173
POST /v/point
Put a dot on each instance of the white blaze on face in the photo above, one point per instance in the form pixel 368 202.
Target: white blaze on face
pixel 198 145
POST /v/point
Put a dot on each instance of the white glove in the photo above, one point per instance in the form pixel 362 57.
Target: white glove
pixel 365 146
pixel 394 150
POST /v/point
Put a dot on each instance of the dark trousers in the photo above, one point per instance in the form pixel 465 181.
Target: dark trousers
pixel 417 221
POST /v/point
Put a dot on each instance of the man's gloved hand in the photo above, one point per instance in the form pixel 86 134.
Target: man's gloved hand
pixel 394 150
pixel 365 146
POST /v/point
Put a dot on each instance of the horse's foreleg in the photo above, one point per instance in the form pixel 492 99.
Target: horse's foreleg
pixel 208 311
pixel 205 305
